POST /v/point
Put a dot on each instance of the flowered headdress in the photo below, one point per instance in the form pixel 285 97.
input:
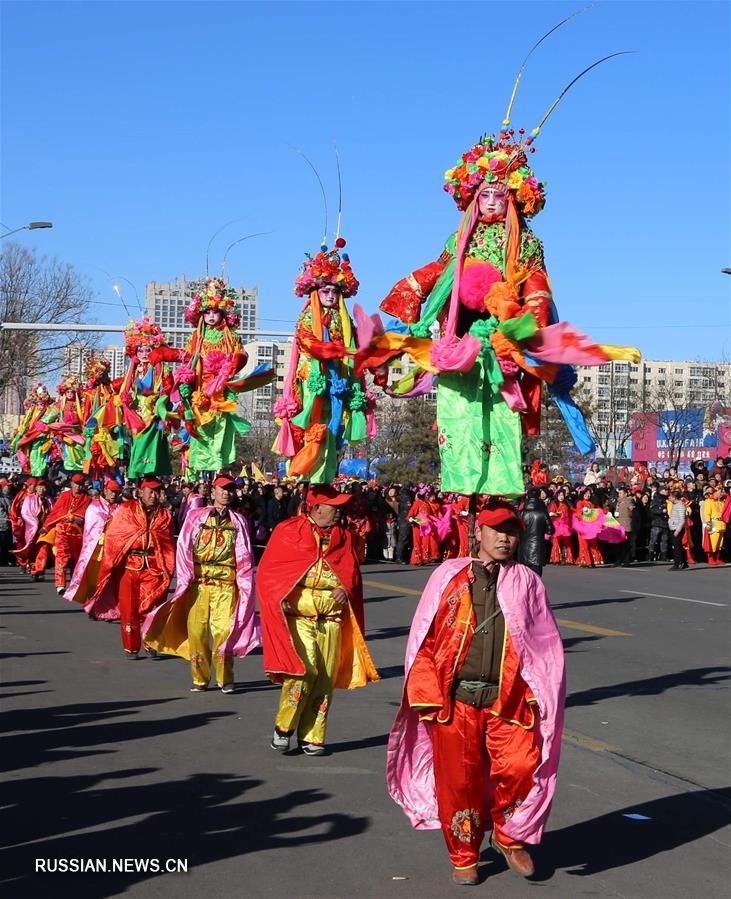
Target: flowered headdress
pixel 94 370
pixel 38 397
pixel 143 333
pixel 327 267
pixel 215 294
pixel 69 382
pixel 499 161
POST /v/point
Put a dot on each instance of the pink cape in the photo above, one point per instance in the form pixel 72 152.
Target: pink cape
pixel 30 513
pixel 98 514
pixel 535 635
pixel 245 628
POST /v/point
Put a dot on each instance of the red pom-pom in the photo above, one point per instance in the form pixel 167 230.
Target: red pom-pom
pixel 340 243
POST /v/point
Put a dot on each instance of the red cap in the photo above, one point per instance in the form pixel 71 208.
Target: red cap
pixel 4 482
pixel 41 482
pixel 325 495
pixel 31 482
pixel 498 512
pixel 111 484
pixel 152 482
pixel 77 478
pixel 223 480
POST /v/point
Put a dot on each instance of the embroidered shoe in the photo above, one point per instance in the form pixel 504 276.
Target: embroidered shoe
pixel 280 742
pixel 228 688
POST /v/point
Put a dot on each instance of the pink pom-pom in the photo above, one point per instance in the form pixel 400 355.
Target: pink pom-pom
pixel 475 283
pixel 184 375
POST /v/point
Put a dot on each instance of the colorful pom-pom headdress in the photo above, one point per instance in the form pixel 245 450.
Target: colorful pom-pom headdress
pixel 69 382
pixel 38 397
pixel 215 294
pixel 95 371
pixel 143 333
pixel 328 267
pixel 499 161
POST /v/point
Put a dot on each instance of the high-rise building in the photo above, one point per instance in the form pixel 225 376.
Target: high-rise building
pixel 165 304
pixel 117 355
pixel 258 405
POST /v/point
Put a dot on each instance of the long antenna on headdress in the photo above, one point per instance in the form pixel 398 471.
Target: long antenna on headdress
pixel 322 188
pixel 537 129
pixel 240 240
pixel 340 191
pixel 578 12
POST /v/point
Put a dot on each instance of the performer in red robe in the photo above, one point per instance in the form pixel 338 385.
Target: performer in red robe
pixel 139 555
pixel 562 552
pixel 17 525
pixel 32 554
pixel 313 629
pixel 64 528
pixel 425 544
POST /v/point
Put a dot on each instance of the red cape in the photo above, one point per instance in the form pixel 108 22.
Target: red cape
pixel 123 531
pixel 290 553
pixel 62 506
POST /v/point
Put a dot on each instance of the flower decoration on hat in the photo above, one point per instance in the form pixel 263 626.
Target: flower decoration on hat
pixel 215 294
pixel 69 382
pixel 143 333
pixel 39 397
pixel 327 267
pixel 499 161
pixel 95 370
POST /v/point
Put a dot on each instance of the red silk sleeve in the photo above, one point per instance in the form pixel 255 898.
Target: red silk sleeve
pixel 422 687
pixel 405 298
pixel 537 297
pixel 320 349
pixel 167 354
pixel 238 362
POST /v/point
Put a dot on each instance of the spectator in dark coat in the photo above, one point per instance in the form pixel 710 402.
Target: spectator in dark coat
pixel 403 544
pixel 534 541
pixel 659 529
pixel 276 509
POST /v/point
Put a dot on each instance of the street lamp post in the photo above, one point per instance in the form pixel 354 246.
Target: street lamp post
pixel 32 226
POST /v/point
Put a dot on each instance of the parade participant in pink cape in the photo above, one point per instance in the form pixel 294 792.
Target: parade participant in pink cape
pixel 84 579
pixel 34 555
pixel 215 571
pixel 532 631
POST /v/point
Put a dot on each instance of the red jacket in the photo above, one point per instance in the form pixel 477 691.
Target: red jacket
pixel 430 681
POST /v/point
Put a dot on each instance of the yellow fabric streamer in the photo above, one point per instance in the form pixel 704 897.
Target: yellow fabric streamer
pixel 624 353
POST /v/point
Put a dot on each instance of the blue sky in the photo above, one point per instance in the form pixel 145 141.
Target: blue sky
pixel 139 128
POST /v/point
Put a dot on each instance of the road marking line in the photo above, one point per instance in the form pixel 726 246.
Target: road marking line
pixel 702 602
pixel 381 586
pixel 575 625
pixel 577 739
pixel 591 628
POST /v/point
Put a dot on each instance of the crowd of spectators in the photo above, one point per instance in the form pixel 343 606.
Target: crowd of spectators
pixel 420 525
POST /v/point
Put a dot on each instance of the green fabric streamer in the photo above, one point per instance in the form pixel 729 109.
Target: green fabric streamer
pixel 521 328
pixel 482 329
pixel 437 298
pixel 314 386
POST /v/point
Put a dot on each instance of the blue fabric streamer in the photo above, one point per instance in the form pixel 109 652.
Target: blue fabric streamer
pixel 570 412
pixel 396 325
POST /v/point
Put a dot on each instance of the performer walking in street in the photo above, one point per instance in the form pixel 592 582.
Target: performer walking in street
pixel 138 559
pixel 214 597
pixel 32 554
pixel 86 573
pixel 64 528
pixel 476 742
pixel 17 525
pixel 311 602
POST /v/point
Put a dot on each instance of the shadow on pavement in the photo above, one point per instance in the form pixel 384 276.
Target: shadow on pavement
pixel 365 743
pixel 595 602
pixel 652 686
pixel 199 818
pixel 60 732
pixel 387 633
pixel 570 642
pixel 613 841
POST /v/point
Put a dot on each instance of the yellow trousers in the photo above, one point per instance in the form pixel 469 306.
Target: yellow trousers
pixel 211 611
pixel 305 702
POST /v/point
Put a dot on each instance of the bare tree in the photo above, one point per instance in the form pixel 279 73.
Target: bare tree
pixel 675 417
pixel 406 440
pixel 611 423
pixel 555 445
pixel 34 289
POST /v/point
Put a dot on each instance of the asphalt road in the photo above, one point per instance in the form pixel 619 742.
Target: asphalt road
pixel 110 759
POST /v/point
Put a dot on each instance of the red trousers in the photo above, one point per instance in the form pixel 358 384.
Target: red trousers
pixel 38 558
pixel 483 766
pixel 68 549
pixel 562 551
pixel 589 552
pixel 132 586
pixel 425 548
